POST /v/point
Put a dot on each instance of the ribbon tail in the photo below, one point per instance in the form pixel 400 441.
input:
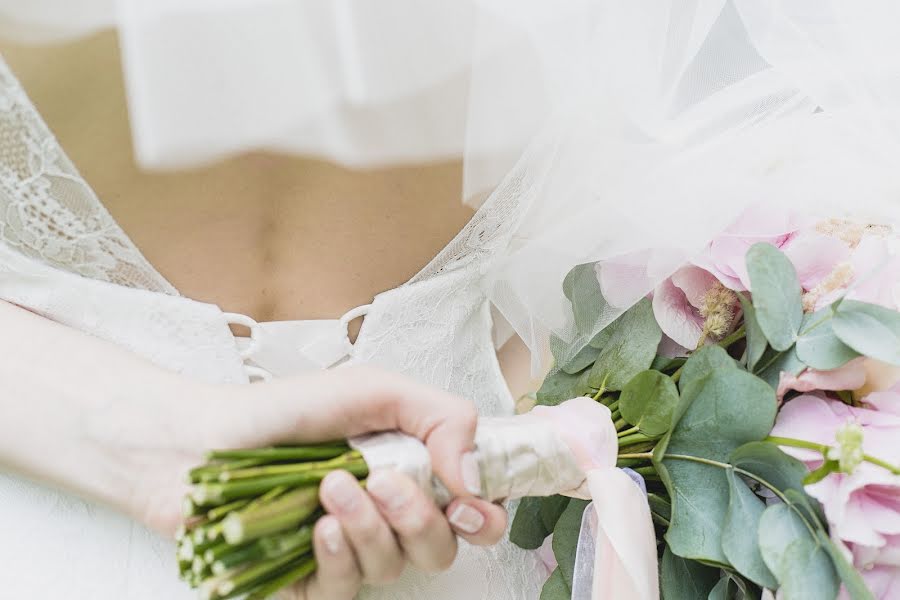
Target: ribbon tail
pixel 624 543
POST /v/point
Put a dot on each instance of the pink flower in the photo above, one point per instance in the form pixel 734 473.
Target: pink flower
pixel 545 553
pixel 851 376
pixel 725 255
pixel 678 302
pixel 880 568
pixel 862 507
pixel 874 274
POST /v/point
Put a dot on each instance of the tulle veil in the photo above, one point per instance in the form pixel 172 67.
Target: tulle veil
pixel 669 120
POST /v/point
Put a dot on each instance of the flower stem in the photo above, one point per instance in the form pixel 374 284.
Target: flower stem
pixel 638 456
pixel 738 334
pixel 269 470
pixel 287 511
pixel 634 438
pixel 823 450
pixel 303 569
pixel 301 453
pixel 629 431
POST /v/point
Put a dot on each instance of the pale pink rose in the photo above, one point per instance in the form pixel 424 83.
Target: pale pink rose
pixel 851 376
pixel 815 256
pixel 677 302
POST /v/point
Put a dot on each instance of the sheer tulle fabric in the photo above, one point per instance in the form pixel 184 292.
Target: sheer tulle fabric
pixel 675 118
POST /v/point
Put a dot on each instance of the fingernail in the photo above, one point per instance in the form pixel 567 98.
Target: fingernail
pixel 380 486
pixel 332 536
pixel 342 491
pixel 466 519
pixel 471 474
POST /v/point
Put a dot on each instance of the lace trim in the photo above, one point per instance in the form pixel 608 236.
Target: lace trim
pixel 48 212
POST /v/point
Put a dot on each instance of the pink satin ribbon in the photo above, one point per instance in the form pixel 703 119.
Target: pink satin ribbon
pixel 624 543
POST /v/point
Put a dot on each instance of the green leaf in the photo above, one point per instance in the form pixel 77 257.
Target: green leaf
pixel 581 361
pixel 776 295
pixel 552 508
pixel 853 581
pixel 702 362
pixel 667 364
pixel 555 588
pixel 721 590
pixel 775 363
pixel 869 329
pixel 818 346
pixel 648 400
pixel 561 386
pixel 681 579
pixel 744 410
pixel 582 287
pixel 565 538
pixel 766 461
pixel 739 542
pixel 660 505
pixel 629 347
pixel 799 562
pixel 756 339
pixel 528 530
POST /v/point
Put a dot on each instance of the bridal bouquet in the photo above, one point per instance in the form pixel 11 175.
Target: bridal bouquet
pixel 737 401
pixel 745 396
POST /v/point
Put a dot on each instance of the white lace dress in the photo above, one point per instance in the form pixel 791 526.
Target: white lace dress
pixel 62 256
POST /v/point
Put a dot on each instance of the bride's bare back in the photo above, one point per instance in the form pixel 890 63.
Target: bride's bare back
pixel 272 236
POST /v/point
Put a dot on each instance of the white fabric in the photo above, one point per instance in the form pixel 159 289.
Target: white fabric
pixel 62 255
pixel 358 82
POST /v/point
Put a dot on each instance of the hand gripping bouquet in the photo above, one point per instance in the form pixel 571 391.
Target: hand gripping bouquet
pixel 704 256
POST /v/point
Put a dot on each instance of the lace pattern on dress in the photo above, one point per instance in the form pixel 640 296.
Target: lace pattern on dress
pixel 48 212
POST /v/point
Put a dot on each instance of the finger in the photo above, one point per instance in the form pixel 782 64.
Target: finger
pixel 477 521
pixel 377 553
pixel 421 528
pixel 356 400
pixel 337 576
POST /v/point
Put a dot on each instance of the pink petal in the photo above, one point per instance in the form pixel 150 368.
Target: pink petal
pixel 695 283
pixel 815 256
pixel 881 287
pixel 545 552
pixel 849 377
pixel 676 316
pixel 807 418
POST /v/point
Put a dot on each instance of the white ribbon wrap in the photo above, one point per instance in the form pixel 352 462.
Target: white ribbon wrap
pixel 567 449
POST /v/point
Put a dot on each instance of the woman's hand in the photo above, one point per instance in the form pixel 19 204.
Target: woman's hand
pixel 369 535
pixel 85 415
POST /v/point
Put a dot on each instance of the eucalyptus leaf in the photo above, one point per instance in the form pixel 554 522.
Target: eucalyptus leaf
pixel 776 295
pixel 774 363
pixel 582 287
pixel 560 386
pixel 722 590
pixel 666 363
pixel 756 339
pixel 799 562
pixel 528 530
pixel 682 579
pixel 629 347
pixel 660 505
pixel 582 360
pixel 766 461
pixel 555 587
pixel 744 409
pixel 647 402
pixel 818 346
pixel 853 581
pixel 552 508
pixel 871 330
pixel 702 362
pixel 739 542
pixel 565 538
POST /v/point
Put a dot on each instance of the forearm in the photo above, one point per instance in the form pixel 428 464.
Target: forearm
pixel 78 412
